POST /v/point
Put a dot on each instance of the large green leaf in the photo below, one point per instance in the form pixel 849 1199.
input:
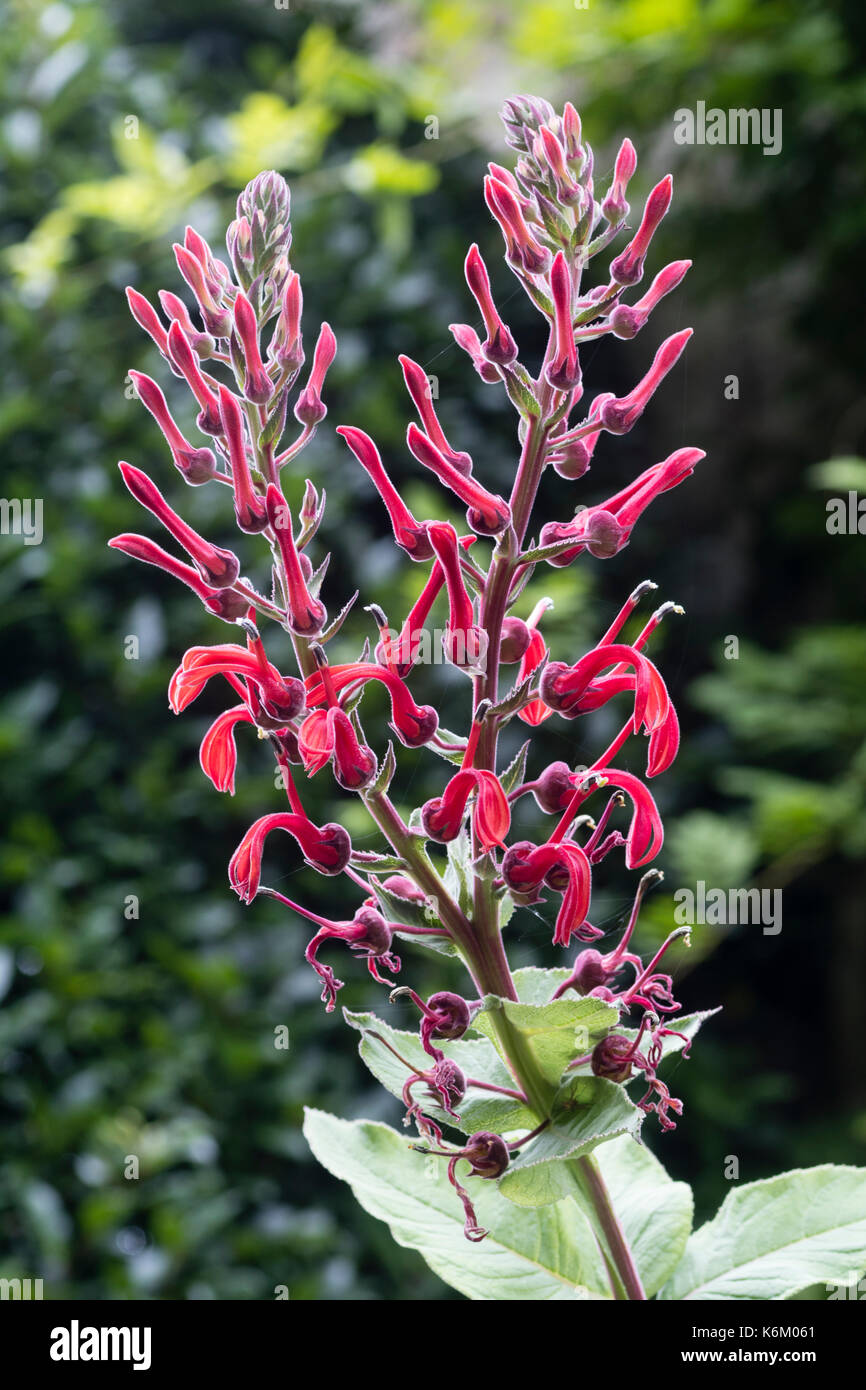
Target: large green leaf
pixel 556 1033
pixel 587 1111
pixel 477 1058
pixel 541 1255
pixel 772 1238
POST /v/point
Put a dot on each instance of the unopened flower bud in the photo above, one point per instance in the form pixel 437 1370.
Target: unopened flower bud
pixel 487 1153
pixel 613 1057
pixel 515 640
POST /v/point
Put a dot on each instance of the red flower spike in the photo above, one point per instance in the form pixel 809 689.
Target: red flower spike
pixel 250 511
pixel 464 643
pixel 258 386
pixel 186 362
pixel 307 616
pixel 627 268
pixel 195 466
pixel 310 410
pixel 486 513
pixel 418 386
pixel 326 848
pixel 222 602
pixel 409 534
pixel 564 371
pixel 499 347
pixel 218 568
pixel 218 754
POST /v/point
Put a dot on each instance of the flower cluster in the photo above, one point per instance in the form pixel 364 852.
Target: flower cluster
pixel 240 349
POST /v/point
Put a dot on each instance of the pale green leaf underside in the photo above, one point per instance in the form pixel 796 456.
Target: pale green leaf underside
pixel 772 1238
pixel 529 1254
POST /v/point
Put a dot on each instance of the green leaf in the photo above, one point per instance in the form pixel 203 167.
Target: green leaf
pixel 458 877
pixel 385 775
pixel 515 773
pixel 654 1211
pixel 556 1032
pixel 475 1056
pixel 773 1238
pixel 535 986
pixel 529 1254
pixel 586 1112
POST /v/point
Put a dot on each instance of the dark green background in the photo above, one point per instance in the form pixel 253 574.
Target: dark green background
pixel 154 1036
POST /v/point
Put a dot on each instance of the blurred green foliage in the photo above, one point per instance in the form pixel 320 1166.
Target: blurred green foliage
pixel 148 1028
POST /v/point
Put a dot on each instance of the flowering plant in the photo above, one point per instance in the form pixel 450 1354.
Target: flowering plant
pixel 526 1176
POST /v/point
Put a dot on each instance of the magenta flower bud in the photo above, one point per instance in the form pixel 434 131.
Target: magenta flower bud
pixel 250 511
pixel 258 386
pixel 627 268
pixel 500 347
pixel 286 348
pixel 452 1015
pixel 147 318
pixel 516 637
pixel 310 409
pixel 487 1153
pixel 614 208
pixel 195 465
pixel 564 371
pixel 307 616
pixel 554 788
pixel 520 874
pixel 418 387
pixel 376 934
pixel 613 1058
pixel 571 136
pixel 202 344
pixel 217 321
pixel 590 971
pixel 466 338
pixel 573 459
pixel 620 416
pixel 403 887
pixel 409 534
pixel 487 514
pixel 522 249
pixel 604 535
pixel 625 322
pixel 222 602
pixel 186 362
pixel 218 568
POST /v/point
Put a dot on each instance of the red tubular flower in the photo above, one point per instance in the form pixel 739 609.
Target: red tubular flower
pixel 627 268
pixel 310 409
pixel 222 602
pixel 504 205
pixel 409 534
pixel 368 935
pixel 536 711
pixel 147 318
pixel 564 371
pixel 216 320
pixel 605 529
pixel 326 848
pixel 614 208
pixel 400 654
pixel 464 643
pixel 628 319
pixel 413 724
pixel 574 690
pixel 327 734
pixel 258 386
pixel 250 511
pixel 418 386
pixel 499 347
pixel 466 338
pixel 619 416
pixel 525 867
pixel 442 817
pixel 282 699
pixel 194 465
pixel 186 362
pixel 307 616
pixel 218 754
pixel 645 835
pixel 218 568
pixel 487 514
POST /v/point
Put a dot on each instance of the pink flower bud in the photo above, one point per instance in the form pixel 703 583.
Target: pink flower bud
pixel 627 268
pixel 218 568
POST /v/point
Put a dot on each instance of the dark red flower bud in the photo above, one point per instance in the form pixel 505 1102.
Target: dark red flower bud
pixel 487 1153
pixel 377 934
pixel 613 1057
pixel 519 874
pixel 553 789
pixel 516 637
pixel 449 1082
pixel 452 1015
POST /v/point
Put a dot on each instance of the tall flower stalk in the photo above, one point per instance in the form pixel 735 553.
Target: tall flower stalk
pixel 241 350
